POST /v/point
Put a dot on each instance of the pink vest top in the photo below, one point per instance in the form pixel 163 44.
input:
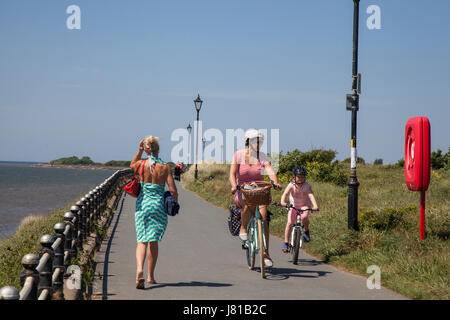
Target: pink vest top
pixel 247 173
pixel 299 197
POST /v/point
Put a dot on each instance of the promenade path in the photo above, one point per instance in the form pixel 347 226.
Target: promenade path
pixel 199 259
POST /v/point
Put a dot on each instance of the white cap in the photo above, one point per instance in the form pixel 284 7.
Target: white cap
pixel 252 134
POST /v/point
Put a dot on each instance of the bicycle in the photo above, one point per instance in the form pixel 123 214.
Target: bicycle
pixel 256 240
pixel 297 232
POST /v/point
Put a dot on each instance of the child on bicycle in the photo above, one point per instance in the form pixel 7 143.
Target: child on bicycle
pixel 301 197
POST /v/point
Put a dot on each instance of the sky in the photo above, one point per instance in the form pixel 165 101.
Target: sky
pixel 135 67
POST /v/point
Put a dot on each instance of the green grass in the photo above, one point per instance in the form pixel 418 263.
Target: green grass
pixel 389 226
pixel 26 240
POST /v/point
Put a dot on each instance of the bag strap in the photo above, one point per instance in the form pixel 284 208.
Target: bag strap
pixel 138 170
pixel 142 170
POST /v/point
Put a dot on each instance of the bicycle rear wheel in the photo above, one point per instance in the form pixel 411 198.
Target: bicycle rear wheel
pixel 296 237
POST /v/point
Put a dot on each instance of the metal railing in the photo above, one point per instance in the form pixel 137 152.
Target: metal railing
pixel 43 275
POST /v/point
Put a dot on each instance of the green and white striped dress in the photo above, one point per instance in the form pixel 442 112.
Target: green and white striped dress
pixel 150 217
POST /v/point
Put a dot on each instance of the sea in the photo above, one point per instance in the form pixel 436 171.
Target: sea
pixel 29 190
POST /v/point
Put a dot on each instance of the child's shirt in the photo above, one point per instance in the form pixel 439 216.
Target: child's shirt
pixel 298 197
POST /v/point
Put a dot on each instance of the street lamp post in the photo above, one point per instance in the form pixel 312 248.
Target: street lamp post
pixel 353 106
pixel 189 129
pixel 198 105
pixel 203 149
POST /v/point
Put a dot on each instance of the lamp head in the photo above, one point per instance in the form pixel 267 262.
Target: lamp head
pixel 198 103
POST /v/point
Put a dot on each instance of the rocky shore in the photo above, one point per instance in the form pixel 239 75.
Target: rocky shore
pixel 73 166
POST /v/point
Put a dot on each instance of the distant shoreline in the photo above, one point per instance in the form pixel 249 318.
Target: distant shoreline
pixel 79 166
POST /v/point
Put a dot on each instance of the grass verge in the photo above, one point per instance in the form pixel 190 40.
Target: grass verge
pixel 26 240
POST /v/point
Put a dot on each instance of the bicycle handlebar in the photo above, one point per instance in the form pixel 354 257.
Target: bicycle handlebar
pixel 290 206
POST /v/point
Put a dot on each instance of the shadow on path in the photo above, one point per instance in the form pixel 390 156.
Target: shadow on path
pixel 108 251
pixel 189 284
pixel 286 273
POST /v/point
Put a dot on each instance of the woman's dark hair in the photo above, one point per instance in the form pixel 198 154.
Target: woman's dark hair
pixel 247 144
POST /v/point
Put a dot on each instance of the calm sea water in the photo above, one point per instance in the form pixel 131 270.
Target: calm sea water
pixel 26 190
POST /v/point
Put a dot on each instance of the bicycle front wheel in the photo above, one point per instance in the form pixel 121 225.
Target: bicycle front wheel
pixel 296 237
pixel 251 245
pixel 261 248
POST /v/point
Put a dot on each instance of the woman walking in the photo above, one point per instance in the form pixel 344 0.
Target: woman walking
pixel 150 216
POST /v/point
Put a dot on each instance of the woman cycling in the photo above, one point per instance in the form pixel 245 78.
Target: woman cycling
pixel 248 165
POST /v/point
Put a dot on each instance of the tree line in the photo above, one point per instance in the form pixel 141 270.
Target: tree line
pixel 87 161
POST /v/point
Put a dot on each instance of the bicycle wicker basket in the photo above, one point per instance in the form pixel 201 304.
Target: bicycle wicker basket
pixel 260 196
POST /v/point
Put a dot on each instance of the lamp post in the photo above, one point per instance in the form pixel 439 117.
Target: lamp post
pixel 189 129
pixel 353 106
pixel 203 149
pixel 198 105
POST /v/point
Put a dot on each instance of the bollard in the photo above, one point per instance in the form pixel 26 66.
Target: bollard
pixel 45 275
pixel 77 243
pixel 82 204
pixel 68 217
pixel 93 194
pixel 98 195
pixel 91 198
pixel 80 226
pixel 30 261
pixel 9 293
pixel 58 261
pixel 87 206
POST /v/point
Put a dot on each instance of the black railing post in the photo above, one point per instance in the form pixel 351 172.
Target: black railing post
pixel 85 209
pixel 58 262
pixel 91 214
pixel 30 261
pixel 68 217
pixel 76 227
pixel 45 276
pixel 80 214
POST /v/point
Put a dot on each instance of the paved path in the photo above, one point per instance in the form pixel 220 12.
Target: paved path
pixel 199 259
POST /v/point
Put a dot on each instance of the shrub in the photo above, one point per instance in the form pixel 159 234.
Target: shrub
pixel 385 219
pixel 73 161
pixel 326 173
pixel 296 157
pixel 447 160
pixel 401 163
pixel 378 162
pixel 437 160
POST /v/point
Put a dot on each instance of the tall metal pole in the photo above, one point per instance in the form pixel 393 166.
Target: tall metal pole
pixel 189 152
pixel 196 147
pixel 189 128
pixel 353 106
pixel 203 149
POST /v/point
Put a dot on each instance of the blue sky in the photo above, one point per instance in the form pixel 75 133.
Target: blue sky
pixel 135 67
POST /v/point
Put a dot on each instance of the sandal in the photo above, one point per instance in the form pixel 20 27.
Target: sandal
pixel 140 283
pixel 267 261
pixel 243 236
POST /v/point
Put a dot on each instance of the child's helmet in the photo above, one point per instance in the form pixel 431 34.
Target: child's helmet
pixel 299 170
